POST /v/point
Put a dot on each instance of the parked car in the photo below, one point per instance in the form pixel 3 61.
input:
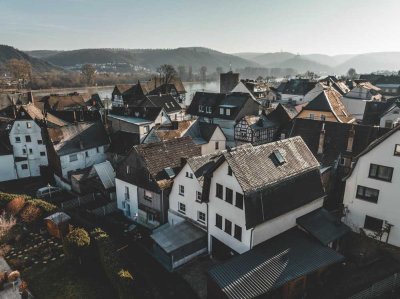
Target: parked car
pixel 48 192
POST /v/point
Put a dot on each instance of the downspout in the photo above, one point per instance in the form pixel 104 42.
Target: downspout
pixel 251 238
pixel 162 204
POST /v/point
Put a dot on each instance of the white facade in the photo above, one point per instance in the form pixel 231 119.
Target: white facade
pixel 27 142
pixel 250 237
pixel 386 205
pixel 390 119
pixel 127 198
pixel 7 168
pixel 217 143
pixel 81 160
pixel 190 198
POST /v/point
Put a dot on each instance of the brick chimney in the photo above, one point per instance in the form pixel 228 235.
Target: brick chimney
pixel 321 140
pixel 350 140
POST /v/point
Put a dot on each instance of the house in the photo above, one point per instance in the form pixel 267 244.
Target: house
pixel 145 176
pixel 210 137
pixel 356 99
pixel 295 90
pixel 165 101
pixel 7 169
pixel 249 192
pixel 136 120
pixel 389 85
pixel 282 267
pixel 391 117
pixel 121 144
pixel 374 111
pixel 26 138
pixel 173 87
pixel 371 195
pixel 99 179
pixel 327 106
pixel 223 109
pixel 264 127
pixel 76 146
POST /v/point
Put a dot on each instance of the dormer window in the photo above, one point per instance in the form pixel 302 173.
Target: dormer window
pixel 201 108
pixel 277 158
pixel 189 175
pixel 228 111
pixel 208 109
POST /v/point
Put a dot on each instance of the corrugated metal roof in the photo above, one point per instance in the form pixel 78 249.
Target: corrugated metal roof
pixel 106 173
pixel 272 264
pixel 323 226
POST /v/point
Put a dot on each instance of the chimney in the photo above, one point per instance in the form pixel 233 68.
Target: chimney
pixel 350 141
pixel 321 140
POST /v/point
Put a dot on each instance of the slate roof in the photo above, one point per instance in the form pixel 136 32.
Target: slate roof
pixel 201 132
pixel 272 264
pixel 158 84
pixel 165 101
pixel 122 142
pixel 323 226
pixel 297 86
pixel 211 99
pixel 374 110
pixel 156 157
pixel 330 101
pixel 336 137
pixel 106 174
pixel 77 137
pixel 200 165
pixel 140 113
pixel 121 88
pixel 5 145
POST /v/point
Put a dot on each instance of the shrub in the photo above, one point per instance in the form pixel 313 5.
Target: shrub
pixel 31 213
pixel 122 280
pixel 6 223
pixel 76 243
pixel 5 198
pixel 15 205
pixel 45 206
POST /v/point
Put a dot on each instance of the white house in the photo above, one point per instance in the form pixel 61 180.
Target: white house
pixel 257 192
pixel 7 166
pixel 28 147
pixel 76 147
pixel 391 117
pixel 371 198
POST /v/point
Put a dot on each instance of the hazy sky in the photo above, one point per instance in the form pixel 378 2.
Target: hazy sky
pixel 299 26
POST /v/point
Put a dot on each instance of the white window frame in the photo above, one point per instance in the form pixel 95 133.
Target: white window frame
pixel 181 208
pixel 181 190
pixel 199 218
pixel 73 157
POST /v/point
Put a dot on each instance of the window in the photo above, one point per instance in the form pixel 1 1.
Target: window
pixel 128 169
pixel 221 111
pixel 24 151
pixel 198 196
pixel 73 157
pixel 28 125
pixel 312 116
pixel 146 129
pixel 238 233
pixel 323 117
pixel 218 221
pixel 380 172
pixel 372 223
pixel 239 200
pixel 201 217
pixel 342 161
pixel 201 108
pixel 228 111
pixel 17 139
pixel 388 124
pixel 228 227
pixel 181 190
pixel 87 154
pixel 40 141
pixel 181 208
pixel 97 150
pixel 43 154
pixel 208 109
pixel 229 195
pixel 147 195
pixel 397 150
pixel 219 191
pixel 24 166
pixel 127 193
pixel 216 145
pixel 189 175
pixel 367 194
pixel 28 138
pixel 30 151
pixel 229 171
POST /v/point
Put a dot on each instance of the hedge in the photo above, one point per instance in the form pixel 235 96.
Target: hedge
pixel 120 278
pixel 5 198
pixel 45 206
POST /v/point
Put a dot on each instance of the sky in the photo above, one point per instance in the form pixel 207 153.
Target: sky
pixel 299 26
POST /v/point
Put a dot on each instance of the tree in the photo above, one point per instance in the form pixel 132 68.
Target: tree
pixel 182 72
pixel 203 73
pixel 20 70
pixel 76 243
pixel 88 74
pixel 168 72
pixel 351 73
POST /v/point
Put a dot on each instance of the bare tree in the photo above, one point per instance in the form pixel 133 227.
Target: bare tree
pixel 168 72
pixel 21 70
pixel 351 73
pixel 203 73
pixel 88 74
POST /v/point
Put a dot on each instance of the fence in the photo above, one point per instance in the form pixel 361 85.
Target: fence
pixel 379 288
pixel 105 210
pixel 77 202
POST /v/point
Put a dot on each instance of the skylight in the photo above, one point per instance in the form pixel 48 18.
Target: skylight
pixel 277 157
pixel 170 172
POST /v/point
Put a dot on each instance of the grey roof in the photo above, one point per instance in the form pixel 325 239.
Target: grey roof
pixel 254 169
pixel 201 164
pixel 171 238
pixel 77 137
pixel 323 226
pixel 58 217
pixel 272 264
pixel 201 132
pixel 106 174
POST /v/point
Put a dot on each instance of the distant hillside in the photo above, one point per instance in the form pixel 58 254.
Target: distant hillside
pixel 41 53
pixel 195 57
pixel 303 65
pixel 269 59
pixel 38 65
pixel 371 62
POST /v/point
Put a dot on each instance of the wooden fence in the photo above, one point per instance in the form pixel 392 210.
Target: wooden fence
pixel 379 288
pixel 77 202
pixel 106 209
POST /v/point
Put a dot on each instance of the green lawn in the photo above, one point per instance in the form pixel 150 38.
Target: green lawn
pixel 65 280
